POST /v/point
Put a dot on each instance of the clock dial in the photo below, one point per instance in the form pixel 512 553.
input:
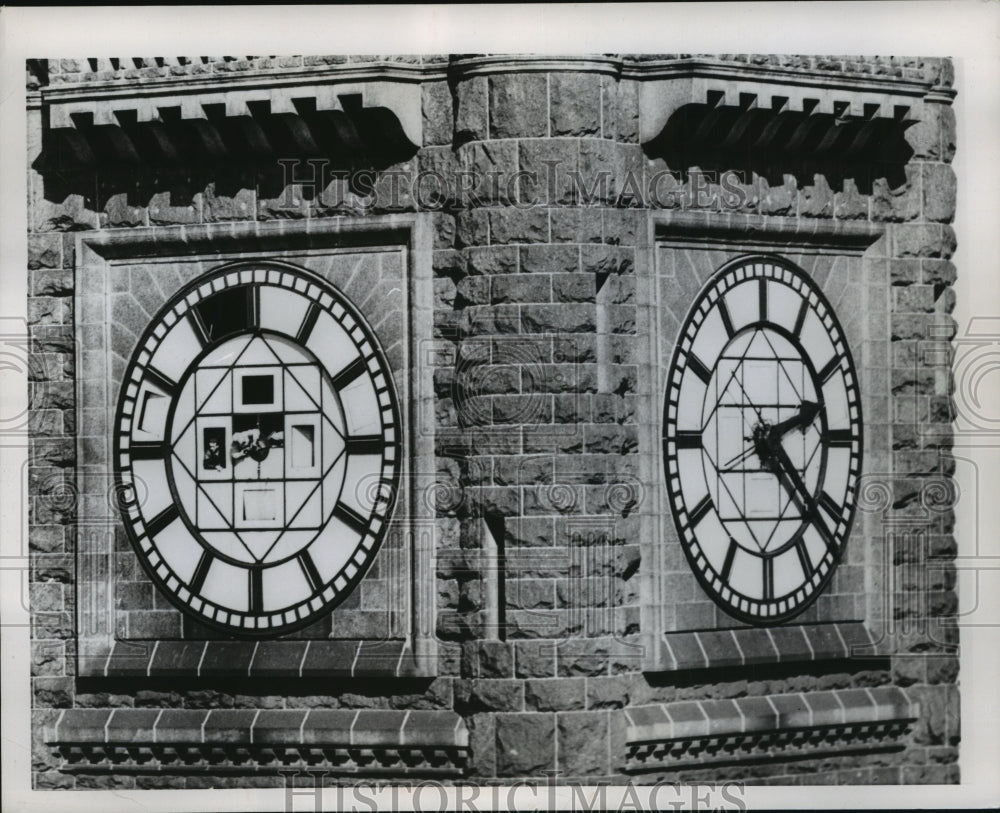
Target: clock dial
pixel 258 420
pixel 762 440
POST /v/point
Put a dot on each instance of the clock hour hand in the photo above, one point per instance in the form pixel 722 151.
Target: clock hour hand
pixel 808 410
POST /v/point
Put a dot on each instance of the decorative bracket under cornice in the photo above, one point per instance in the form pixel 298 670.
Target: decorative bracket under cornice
pixel 226 741
pixel 775 728
pixel 773 125
pixel 177 136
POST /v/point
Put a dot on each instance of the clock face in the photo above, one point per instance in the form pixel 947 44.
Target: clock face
pixel 257 449
pixel 762 440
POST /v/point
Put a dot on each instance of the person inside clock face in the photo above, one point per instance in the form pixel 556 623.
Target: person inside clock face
pixel 214 458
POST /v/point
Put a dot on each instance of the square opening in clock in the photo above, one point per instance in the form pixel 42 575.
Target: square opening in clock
pixel 258 389
pixel 260 504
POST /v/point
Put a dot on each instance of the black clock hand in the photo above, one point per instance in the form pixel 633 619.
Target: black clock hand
pixel 787 470
pixel 808 410
pixel 739 458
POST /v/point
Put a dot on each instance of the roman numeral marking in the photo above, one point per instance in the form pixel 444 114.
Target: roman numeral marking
pixel 350 518
pixel 762 299
pixel 695 365
pixel 168 385
pixel 148 450
pixel 727 320
pixel 829 369
pixel 308 323
pixel 699 511
pixel 768 575
pixel 162 520
pixel 309 568
pixel 840 438
pixel 727 566
pixel 201 571
pixel 803 552
pixel 257 590
pixel 688 440
pixel 364 444
pixel 801 318
pixel 349 373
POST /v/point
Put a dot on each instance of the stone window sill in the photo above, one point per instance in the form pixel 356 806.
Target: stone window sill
pixel 733 648
pixel 249 659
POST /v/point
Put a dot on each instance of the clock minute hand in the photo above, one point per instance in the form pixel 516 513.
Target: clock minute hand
pixel 787 468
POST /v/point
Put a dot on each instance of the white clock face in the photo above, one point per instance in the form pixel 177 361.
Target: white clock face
pixel 762 440
pixel 257 443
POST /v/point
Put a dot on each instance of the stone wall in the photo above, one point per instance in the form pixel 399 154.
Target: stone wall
pixel 536 381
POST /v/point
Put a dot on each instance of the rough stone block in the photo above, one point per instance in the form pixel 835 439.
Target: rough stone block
pixel 628 112
pixel 577 225
pixel 562 318
pixel 938 192
pixel 471 110
pixel 583 743
pixel 491 167
pixel 518 105
pixel 920 240
pixel 44 251
pixel 518 226
pixel 575 104
pixel 517 288
pixel 562 694
pixel 848 203
pixel 900 203
pixel 489 695
pixel 779 199
pixel 525 744
pixel 550 165
pixel 438 113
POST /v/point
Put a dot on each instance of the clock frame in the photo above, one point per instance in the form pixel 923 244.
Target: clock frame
pixel 257 510
pixel 762 478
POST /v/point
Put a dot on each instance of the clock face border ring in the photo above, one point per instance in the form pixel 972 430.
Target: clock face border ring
pixel 319 602
pixel 687 331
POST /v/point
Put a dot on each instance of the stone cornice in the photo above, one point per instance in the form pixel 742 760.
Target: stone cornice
pixel 761 231
pixel 778 727
pixel 706 68
pixel 462 67
pixel 366 741
pixel 252 80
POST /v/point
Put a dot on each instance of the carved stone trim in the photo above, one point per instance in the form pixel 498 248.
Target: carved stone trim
pixel 229 759
pixel 242 741
pixel 683 734
pixel 760 231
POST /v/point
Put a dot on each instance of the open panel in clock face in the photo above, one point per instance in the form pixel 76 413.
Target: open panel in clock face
pixel 762 439
pixel 257 448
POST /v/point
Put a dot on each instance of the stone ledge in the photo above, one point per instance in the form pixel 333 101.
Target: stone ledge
pixel 249 659
pixel 667 736
pixel 340 740
pixel 726 649
pixel 842 237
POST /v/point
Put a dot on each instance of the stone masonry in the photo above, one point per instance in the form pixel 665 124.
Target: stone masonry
pixel 541 584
